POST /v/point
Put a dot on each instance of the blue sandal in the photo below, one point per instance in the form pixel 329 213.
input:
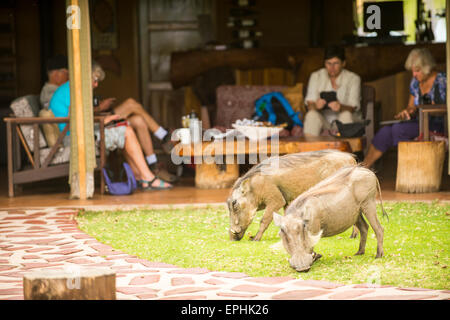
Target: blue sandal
pixel 150 187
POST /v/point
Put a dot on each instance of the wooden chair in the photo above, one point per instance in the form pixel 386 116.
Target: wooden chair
pixel 23 129
pixel 424 112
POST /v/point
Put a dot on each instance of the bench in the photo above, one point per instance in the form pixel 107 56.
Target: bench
pixel 23 128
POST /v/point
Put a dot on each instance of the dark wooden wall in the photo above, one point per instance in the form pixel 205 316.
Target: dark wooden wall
pixel 121 83
pixel 294 23
pixel 28 47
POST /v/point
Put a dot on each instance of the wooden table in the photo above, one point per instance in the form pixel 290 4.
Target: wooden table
pixel 213 174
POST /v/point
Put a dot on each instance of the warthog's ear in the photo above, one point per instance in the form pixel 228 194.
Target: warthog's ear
pixel 277 219
pixel 308 210
pixel 245 185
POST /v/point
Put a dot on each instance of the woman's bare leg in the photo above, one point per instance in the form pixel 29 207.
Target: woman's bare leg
pixel 132 107
pixel 372 155
pixel 140 127
pixel 134 153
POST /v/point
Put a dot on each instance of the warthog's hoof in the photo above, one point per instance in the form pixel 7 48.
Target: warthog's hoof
pixel 304 270
pixel 254 238
pixel 354 234
pixel 316 256
pixel 359 253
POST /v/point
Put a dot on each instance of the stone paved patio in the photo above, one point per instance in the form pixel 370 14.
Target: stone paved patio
pixel 34 239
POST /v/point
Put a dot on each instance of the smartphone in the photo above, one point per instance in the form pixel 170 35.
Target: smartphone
pixel 328 96
pixel 117 123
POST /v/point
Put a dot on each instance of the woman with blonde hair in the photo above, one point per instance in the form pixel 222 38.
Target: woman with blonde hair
pixel 427 87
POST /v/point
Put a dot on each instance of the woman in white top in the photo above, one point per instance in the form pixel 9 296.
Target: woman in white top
pixel 332 78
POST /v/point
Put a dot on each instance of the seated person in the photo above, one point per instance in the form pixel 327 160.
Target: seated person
pixel 333 77
pixel 141 122
pixel 122 137
pixel 57 74
pixel 426 84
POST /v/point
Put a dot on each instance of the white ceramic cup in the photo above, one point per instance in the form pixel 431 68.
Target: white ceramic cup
pixel 184 135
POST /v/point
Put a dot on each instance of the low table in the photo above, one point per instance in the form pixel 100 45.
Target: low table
pixel 217 162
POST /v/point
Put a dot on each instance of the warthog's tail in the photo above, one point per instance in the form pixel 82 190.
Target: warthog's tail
pixel 381 201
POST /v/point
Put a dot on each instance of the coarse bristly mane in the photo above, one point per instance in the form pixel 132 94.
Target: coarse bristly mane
pixel 332 184
pixel 288 161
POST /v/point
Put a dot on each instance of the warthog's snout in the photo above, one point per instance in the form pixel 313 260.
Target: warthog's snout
pixel 235 235
pixel 303 263
pixel 303 270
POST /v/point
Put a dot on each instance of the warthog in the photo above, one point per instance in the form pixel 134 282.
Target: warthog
pixel 275 182
pixel 329 208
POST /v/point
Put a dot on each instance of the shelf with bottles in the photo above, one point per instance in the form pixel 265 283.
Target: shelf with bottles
pixel 246 33
pixel 242 23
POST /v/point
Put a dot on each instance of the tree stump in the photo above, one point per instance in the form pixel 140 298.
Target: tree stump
pixel 215 176
pixel 75 284
pixel 419 166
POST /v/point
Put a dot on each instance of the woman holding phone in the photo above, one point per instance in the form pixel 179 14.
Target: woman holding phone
pixel 427 87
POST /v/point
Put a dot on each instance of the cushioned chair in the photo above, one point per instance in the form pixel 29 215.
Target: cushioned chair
pixel 23 128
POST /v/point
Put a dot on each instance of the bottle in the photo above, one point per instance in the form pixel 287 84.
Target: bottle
pixel 245 33
pixel 243 3
pixel 245 44
pixel 193 115
pixel 185 121
pixel 195 129
pixel 241 22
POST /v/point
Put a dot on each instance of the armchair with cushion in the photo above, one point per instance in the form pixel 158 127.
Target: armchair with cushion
pixel 23 129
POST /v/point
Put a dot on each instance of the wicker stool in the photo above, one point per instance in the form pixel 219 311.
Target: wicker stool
pixel 419 166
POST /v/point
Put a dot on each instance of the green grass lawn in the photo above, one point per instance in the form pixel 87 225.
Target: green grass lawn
pixel 416 244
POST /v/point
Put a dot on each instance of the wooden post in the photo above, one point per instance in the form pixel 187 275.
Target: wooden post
pixel 447 8
pixel 82 160
pixel 76 284
pixel 79 109
pixel 9 142
pixel 216 176
pixel 102 156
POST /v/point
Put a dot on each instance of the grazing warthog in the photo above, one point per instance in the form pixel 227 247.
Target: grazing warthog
pixel 329 208
pixel 275 182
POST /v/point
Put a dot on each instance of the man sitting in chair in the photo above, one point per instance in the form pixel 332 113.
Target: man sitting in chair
pixel 131 110
pixel 334 93
pixel 121 137
pixel 57 74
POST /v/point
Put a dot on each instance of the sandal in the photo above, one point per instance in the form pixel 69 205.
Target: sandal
pixel 150 187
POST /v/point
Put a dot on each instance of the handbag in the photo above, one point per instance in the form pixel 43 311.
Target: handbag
pixel 350 130
pixel 121 188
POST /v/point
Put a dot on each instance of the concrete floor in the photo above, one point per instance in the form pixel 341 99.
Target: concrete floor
pixel 26 247
pixel 55 193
